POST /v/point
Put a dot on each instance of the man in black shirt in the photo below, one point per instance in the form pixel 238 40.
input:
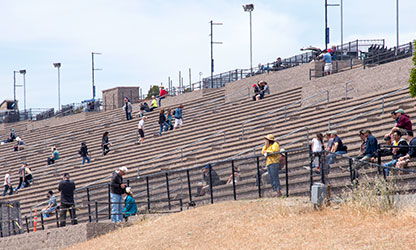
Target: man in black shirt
pixel 67 187
pixel 117 189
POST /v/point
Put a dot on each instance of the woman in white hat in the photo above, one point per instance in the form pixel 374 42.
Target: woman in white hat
pixel 270 151
pixel 130 206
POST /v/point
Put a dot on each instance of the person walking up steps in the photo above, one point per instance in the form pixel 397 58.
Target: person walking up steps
pixel 178 116
pixel 84 153
pixel 141 129
pixel 105 145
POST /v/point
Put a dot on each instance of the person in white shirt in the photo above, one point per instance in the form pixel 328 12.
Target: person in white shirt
pixel 141 129
pixel 7 184
pixel 316 147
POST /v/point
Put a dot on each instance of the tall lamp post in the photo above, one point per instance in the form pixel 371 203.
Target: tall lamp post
pixel 58 66
pixel 23 72
pixel 212 51
pixel 92 72
pixel 397 25
pixel 326 23
pixel 249 8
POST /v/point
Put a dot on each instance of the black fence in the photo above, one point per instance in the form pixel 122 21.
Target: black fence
pixel 379 54
pixel 10 218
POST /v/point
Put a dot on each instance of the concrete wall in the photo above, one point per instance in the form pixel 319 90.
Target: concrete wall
pixel 58 238
pixel 114 98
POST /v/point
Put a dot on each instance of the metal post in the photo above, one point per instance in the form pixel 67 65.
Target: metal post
pixel 397 25
pixel 181 204
pixel 382 106
pixel 27 224
pixel 189 185
pixel 59 87
pixel 210 184
pixel 167 189
pixel 24 87
pixel 342 29
pixel 258 176
pixel 109 202
pixel 41 221
pixel 148 192
pixel 14 87
pixel 251 48
pixel 312 159
pixel 287 175
pixel 96 211
pixel 57 218
pixel 233 172
pixel 89 205
pixel 351 171
pixel 190 79
pixel 326 24
pixel 92 75
pixel 323 168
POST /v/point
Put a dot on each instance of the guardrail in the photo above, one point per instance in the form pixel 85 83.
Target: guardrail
pixel 389 55
pixel 285 108
pixel 365 104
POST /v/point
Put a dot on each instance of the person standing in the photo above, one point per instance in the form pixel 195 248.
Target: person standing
pixel 67 187
pixel 23 182
pixel 141 129
pixel 169 119
pixel 162 95
pixel 327 59
pixel 270 151
pixel 84 153
pixel 7 183
pixel 162 121
pixel 178 116
pixel 128 108
pixel 105 145
pixel 117 190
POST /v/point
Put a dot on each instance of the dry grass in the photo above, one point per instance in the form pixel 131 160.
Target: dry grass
pixel 266 224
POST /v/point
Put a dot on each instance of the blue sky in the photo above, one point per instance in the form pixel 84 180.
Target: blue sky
pixel 144 42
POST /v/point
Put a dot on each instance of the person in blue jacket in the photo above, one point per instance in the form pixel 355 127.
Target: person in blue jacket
pixel 130 206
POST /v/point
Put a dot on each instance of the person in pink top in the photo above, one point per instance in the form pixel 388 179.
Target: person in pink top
pixel 162 95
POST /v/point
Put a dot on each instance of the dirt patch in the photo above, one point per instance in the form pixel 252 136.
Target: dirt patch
pixel 265 224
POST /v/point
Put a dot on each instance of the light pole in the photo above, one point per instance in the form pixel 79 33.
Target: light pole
pixel 58 66
pixel 23 72
pixel 397 25
pixel 249 8
pixel 92 72
pixel 326 23
pixel 212 51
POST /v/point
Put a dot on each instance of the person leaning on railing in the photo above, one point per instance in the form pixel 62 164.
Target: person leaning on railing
pixel 404 160
pixel 117 190
pixel 270 151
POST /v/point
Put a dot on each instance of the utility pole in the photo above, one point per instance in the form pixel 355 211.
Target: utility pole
pixel 92 72
pixel 212 51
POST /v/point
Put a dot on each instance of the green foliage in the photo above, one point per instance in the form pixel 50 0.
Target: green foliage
pixel 153 91
pixel 412 79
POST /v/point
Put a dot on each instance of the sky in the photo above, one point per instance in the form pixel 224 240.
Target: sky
pixel 144 42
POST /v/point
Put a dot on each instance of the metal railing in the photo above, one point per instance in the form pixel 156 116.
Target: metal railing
pixel 384 55
pixel 331 118
pixel 285 109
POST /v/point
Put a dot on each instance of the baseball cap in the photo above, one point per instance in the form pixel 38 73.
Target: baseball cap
pixel 400 111
pixel 124 169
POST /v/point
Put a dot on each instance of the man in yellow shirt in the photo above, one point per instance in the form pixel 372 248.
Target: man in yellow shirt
pixel 153 103
pixel 270 151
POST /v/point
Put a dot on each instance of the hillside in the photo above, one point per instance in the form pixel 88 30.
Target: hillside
pixel 266 224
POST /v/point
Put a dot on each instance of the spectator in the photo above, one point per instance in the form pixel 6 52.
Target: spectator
pixel 327 58
pixel 20 144
pixel 105 145
pixel 12 136
pixel 370 148
pixel 178 116
pixel 278 64
pixel 52 205
pixel 128 108
pixel 83 151
pixel 141 129
pixel 383 151
pixel 144 108
pixel 67 187
pixel 162 95
pixel 23 182
pixel 153 103
pixel 169 119
pixel 264 89
pixel 162 121
pixel 204 185
pixel 270 151
pixel 338 148
pixel 404 160
pixel 117 190
pixel 257 92
pixel 403 121
pixel 130 206
pixel 398 150
pixel 7 183
pixel 236 176
pixel 316 147
pixel 28 174
pixel 54 157
pixel 329 140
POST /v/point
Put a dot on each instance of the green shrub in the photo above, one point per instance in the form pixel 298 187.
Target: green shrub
pixel 412 79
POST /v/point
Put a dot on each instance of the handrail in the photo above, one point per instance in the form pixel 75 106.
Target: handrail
pixel 364 104
pixel 178 149
pixel 285 108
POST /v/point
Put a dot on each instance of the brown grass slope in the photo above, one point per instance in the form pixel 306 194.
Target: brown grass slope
pixel 266 224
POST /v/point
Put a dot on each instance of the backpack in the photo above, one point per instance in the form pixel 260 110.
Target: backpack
pixel 282 161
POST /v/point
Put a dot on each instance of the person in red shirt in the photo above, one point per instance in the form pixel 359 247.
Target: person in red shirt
pixel 403 121
pixel 162 95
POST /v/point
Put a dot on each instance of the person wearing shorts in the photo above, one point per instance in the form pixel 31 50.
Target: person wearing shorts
pixel 141 129
pixel 327 58
pixel 178 116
